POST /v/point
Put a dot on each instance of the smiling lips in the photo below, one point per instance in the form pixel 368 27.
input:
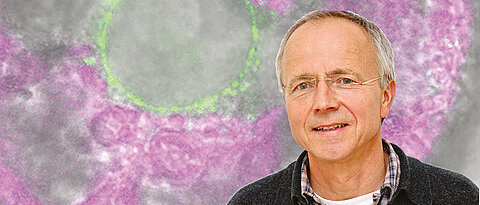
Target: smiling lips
pixel 328 128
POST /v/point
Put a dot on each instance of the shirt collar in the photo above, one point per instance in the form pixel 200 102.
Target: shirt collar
pixel 388 188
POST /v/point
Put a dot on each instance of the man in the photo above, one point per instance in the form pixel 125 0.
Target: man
pixel 336 74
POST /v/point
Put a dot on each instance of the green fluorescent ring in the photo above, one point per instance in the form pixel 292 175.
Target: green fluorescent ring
pixel 202 105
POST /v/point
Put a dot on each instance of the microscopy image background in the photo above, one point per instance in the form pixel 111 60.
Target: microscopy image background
pixel 176 102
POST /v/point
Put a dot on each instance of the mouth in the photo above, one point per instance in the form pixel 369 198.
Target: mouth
pixel 329 128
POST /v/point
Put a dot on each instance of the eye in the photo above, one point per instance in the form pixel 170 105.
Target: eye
pixel 346 81
pixel 302 86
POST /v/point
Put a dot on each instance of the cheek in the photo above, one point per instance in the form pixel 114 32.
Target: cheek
pixel 364 108
pixel 297 115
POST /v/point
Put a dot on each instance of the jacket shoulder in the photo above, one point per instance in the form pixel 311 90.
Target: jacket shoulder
pixel 266 189
pixel 448 186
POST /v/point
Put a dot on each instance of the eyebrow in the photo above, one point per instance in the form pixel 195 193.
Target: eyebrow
pixel 303 76
pixel 337 71
pixel 341 71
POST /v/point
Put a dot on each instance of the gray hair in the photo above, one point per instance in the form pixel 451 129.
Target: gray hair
pixel 385 64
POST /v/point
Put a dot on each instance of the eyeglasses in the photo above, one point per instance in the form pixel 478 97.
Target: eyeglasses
pixel 302 85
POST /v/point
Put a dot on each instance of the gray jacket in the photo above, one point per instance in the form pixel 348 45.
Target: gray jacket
pixel 420 183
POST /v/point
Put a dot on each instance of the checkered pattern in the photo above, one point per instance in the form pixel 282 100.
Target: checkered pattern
pixel 390 183
pixel 305 183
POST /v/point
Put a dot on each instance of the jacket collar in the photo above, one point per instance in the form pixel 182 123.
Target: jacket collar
pixel 414 179
pixel 296 189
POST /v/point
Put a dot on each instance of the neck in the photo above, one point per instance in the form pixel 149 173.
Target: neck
pixel 352 177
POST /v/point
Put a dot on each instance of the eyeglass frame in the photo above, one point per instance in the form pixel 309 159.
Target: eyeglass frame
pixel 328 80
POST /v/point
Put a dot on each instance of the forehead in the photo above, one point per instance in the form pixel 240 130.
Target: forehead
pixel 329 44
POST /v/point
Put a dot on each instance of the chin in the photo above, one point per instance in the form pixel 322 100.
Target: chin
pixel 330 153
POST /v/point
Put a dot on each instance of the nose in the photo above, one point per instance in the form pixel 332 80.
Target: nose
pixel 325 99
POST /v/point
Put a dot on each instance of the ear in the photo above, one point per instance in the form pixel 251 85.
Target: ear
pixel 387 98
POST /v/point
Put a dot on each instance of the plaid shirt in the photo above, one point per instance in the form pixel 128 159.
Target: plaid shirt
pixel 390 183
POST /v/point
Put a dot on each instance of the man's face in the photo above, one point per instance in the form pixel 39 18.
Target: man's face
pixel 321 49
